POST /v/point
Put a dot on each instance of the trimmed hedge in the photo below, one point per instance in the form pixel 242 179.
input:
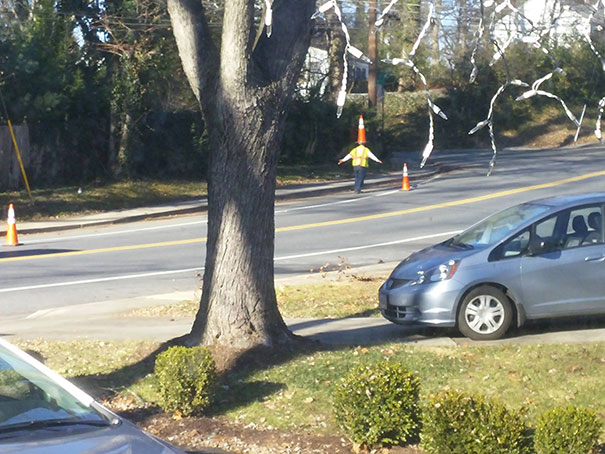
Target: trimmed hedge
pixel 186 379
pixel 378 404
pixel 568 430
pixel 461 423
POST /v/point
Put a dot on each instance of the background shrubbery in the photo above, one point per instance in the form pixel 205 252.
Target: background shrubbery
pixel 378 404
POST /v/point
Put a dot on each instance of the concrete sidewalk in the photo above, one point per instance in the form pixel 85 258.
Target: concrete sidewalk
pixel 117 320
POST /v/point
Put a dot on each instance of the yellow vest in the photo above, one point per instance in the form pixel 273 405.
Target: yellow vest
pixel 360 156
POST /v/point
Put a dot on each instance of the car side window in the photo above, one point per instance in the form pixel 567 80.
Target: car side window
pixel 549 233
pixel 546 228
pixel 516 246
pixel 584 227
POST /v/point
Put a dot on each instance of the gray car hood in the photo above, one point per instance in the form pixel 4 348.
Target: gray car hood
pixel 429 258
pixel 122 439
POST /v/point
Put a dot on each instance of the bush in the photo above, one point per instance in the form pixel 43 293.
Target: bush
pixel 569 430
pixel 378 404
pixel 186 378
pixel 461 423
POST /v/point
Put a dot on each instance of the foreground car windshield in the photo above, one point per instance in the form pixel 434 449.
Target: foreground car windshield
pixel 496 227
pixel 31 400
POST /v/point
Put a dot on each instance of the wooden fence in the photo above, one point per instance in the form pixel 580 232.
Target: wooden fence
pixel 10 173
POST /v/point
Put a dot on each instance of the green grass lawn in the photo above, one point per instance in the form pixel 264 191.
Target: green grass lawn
pixel 96 197
pixel 347 297
pixel 293 390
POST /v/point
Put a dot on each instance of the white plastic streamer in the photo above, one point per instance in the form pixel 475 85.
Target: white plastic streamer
pixel 499 50
pixel 489 121
pixel 535 90
pixel 594 49
pixel 427 24
pixel 507 4
pixel 382 15
pixel 586 33
pixel 478 35
pixel 432 107
pixel 575 138
pixel 530 93
pixel 597 131
pixel 342 94
pixel 268 18
pixel 594 9
pixel 532 36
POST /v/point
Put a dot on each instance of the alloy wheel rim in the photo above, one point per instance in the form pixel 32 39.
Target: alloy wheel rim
pixel 484 314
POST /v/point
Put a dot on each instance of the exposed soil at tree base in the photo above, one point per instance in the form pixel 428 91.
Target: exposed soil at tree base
pixel 214 435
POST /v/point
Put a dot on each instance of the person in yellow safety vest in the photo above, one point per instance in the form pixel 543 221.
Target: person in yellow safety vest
pixel 360 155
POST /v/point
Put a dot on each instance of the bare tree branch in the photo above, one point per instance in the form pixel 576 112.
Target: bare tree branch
pixel 197 49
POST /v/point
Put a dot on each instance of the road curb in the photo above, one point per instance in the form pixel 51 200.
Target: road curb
pixel 283 194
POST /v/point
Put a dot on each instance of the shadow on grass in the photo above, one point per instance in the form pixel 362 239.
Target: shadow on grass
pixel 243 364
pixel 238 388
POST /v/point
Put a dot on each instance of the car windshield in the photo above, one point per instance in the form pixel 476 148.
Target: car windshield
pixel 496 227
pixel 30 400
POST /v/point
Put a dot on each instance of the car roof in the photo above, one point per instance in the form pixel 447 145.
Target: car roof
pixel 570 200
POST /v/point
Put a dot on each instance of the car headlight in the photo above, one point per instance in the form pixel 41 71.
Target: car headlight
pixel 442 272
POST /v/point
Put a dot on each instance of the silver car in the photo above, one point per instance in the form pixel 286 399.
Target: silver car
pixel 540 259
pixel 42 413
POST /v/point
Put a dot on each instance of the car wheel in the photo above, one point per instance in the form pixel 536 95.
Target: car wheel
pixel 485 314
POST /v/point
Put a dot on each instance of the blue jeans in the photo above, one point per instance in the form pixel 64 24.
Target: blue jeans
pixel 360 175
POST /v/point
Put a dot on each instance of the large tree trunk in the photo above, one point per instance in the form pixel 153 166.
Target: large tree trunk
pixel 238 305
pixel 244 91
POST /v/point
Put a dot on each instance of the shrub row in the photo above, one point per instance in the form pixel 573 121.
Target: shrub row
pixel 379 404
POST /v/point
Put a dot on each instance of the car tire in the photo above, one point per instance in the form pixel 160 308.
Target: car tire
pixel 485 314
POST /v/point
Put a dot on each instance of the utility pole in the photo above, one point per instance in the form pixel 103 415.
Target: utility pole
pixel 373 55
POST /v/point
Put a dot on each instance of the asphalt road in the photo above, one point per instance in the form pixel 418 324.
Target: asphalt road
pixel 381 225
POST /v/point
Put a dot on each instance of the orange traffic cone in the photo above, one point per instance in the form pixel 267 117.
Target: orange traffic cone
pixel 405 182
pixel 11 230
pixel 361 131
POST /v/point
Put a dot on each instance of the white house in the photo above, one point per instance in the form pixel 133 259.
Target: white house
pixel 554 17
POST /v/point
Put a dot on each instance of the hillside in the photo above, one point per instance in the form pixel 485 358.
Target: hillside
pixel 540 124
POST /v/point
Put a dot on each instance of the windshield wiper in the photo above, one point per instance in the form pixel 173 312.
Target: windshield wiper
pixel 454 243
pixel 48 423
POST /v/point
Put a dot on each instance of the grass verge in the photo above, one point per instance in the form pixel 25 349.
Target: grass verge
pixel 97 197
pixel 293 392
pixel 348 296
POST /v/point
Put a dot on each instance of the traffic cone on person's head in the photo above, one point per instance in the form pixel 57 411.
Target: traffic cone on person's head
pixel 11 229
pixel 361 131
pixel 405 182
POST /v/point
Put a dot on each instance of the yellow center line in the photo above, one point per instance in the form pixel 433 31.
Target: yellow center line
pixel 470 200
pixel 419 209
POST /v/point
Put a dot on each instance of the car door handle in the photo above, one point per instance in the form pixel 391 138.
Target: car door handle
pixel 594 258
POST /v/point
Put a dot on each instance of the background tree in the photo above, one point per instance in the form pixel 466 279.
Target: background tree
pixel 244 85
pixel 147 84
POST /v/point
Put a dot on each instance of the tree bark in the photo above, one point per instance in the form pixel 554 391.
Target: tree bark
pixel 335 51
pixel 244 89
pixel 435 53
pixel 372 55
